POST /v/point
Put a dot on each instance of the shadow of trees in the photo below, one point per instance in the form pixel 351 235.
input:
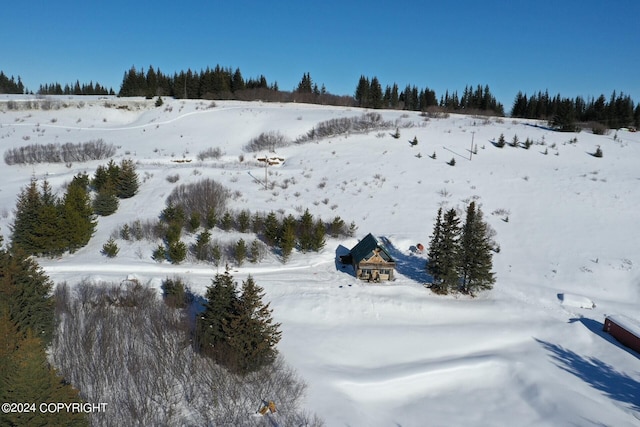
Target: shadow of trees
pixel 598 374
pixel 410 266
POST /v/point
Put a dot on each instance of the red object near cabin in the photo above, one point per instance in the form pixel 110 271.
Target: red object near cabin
pixel 624 329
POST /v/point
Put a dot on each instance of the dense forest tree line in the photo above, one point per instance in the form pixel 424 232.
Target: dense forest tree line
pixel 216 83
pixel 369 94
pixel 226 83
pixel 565 113
pixel 75 89
pixel 10 85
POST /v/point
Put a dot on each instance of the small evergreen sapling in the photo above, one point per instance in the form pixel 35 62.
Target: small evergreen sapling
pixel 598 152
pixel 110 249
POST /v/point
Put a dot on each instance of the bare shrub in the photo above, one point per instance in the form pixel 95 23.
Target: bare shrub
pixel 210 153
pixel 200 197
pixel 173 178
pixel 340 126
pixel 267 141
pixel 60 153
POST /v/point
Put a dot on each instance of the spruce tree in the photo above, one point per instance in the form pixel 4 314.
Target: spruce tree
pixel 240 251
pixel 31 379
pixel 271 229
pixel 305 231
pixel 288 237
pixel 201 247
pixel 218 311
pixel 127 183
pixel 25 292
pixel 78 219
pixel 318 240
pixel 227 221
pixel 110 248
pixel 26 219
pixel 49 229
pixel 250 332
pixel 443 253
pixel 475 253
pixel 106 202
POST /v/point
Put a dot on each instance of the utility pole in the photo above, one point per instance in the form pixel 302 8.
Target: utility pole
pixel 473 134
pixel 266 165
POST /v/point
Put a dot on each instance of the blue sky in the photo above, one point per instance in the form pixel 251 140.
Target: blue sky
pixel 571 47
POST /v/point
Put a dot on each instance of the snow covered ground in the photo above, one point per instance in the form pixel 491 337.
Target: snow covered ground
pixel 529 353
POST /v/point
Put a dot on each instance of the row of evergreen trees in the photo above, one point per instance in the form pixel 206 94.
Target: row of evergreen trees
pixel 369 94
pixel 564 113
pixel 26 328
pixel 460 256
pixel 283 234
pixel 10 84
pixel 75 89
pixel 218 83
pixel 47 225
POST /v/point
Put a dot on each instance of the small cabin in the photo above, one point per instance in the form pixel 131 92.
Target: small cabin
pixel 371 261
pixel 624 329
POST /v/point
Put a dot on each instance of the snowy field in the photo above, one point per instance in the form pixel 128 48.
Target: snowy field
pixel 530 352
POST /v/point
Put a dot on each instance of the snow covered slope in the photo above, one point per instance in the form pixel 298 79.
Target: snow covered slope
pixel 525 353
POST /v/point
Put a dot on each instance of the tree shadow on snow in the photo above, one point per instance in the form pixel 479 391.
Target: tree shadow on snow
pixel 410 266
pixel 597 328
pixel 599 375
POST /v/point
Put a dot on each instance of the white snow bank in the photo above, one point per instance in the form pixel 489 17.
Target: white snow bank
pixel 578 301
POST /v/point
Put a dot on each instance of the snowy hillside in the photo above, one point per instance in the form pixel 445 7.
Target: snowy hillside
pixel 525 353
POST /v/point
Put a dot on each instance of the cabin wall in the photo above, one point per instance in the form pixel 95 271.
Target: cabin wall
pixel 377 272
pixel 625 337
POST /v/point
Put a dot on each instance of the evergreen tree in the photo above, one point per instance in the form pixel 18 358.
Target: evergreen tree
pixel 176 251
pixel 475 253
pixel 78 219
pixel 25 294
pixel 305 85
pixel 105 202
pixel 27 377
pixel 227 221
pixel 318 238
pixel 288 237
pixel 26 219
pixel 127 183
pixel 250 332
pixel 305 231
pixel 336 227
pixel 362 92
pixel 211 219
pixel 375 94
pixel 271 229
pixel 49 229
pixel 240 251
pixel 218 311
pixel 110 249
pixel 201 247
pixel 443 253
pixel 244 220
pixel 255 251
